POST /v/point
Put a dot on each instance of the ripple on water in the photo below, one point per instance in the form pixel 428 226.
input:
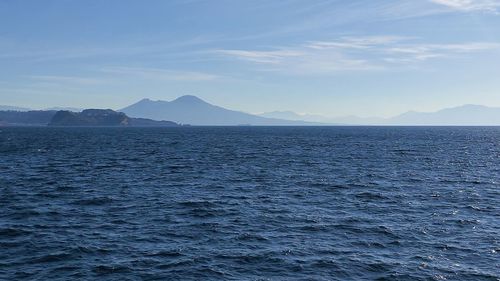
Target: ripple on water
pixel 343 203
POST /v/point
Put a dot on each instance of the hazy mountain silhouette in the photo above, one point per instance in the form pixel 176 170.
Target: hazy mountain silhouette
pixel 345 120
pixel 194 111
pixel 59 108
pixel 13 108
pixel 290 115
pixel 472 115
pixel 55 108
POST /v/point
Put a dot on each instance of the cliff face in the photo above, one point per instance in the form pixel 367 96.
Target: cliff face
pixel 90 117
pixel 103 117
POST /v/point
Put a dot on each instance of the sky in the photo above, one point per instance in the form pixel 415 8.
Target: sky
pixel 327 57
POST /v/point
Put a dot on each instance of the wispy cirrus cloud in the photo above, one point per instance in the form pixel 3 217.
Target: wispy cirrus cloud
pixel 160 74
pixel 303 60
pixel 353 54
pixel 422 52
pixel 317 57
pixel 470 5
pixel 357 42
pixel 266 57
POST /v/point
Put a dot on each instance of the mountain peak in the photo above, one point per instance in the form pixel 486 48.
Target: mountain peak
pixel 189 99
pixel 145 100
pixel 472 106
pixel 192 110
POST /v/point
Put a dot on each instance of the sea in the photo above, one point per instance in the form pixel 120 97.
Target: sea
pixel 250 203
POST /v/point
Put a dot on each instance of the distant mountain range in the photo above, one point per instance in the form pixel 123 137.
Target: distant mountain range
pixel 194 111
pixel 13 108
pixel 466 115
pixel 290 115
pixel 346 120
pixel 57 108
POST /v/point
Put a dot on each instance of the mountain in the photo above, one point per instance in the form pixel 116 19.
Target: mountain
pixel 290 115
pixel 466 115
pixel 345 120
pixel 194 111
pixel 13 108
pixel 286 115
pixel 58 108
pixel 102 117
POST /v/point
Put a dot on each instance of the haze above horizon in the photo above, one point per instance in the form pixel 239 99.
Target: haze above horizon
pixel 333 58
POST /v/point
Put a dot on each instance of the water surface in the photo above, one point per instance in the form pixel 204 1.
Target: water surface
pixel 249 203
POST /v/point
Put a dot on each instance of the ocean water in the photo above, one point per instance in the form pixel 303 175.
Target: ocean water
pixel 250 203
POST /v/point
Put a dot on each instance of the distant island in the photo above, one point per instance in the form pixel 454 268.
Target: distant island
pixel 85 118
pixel 103 117
pixel 191 110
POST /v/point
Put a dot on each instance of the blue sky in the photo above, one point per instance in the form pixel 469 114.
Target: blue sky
pixel 344 57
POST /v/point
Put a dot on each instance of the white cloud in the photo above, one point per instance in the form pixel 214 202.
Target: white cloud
pixel 353 54
pixel 470 5
pixel 357 42
pixel 319 57
pixel 423 52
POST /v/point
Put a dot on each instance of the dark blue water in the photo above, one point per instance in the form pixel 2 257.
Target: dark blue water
pixel 250 203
